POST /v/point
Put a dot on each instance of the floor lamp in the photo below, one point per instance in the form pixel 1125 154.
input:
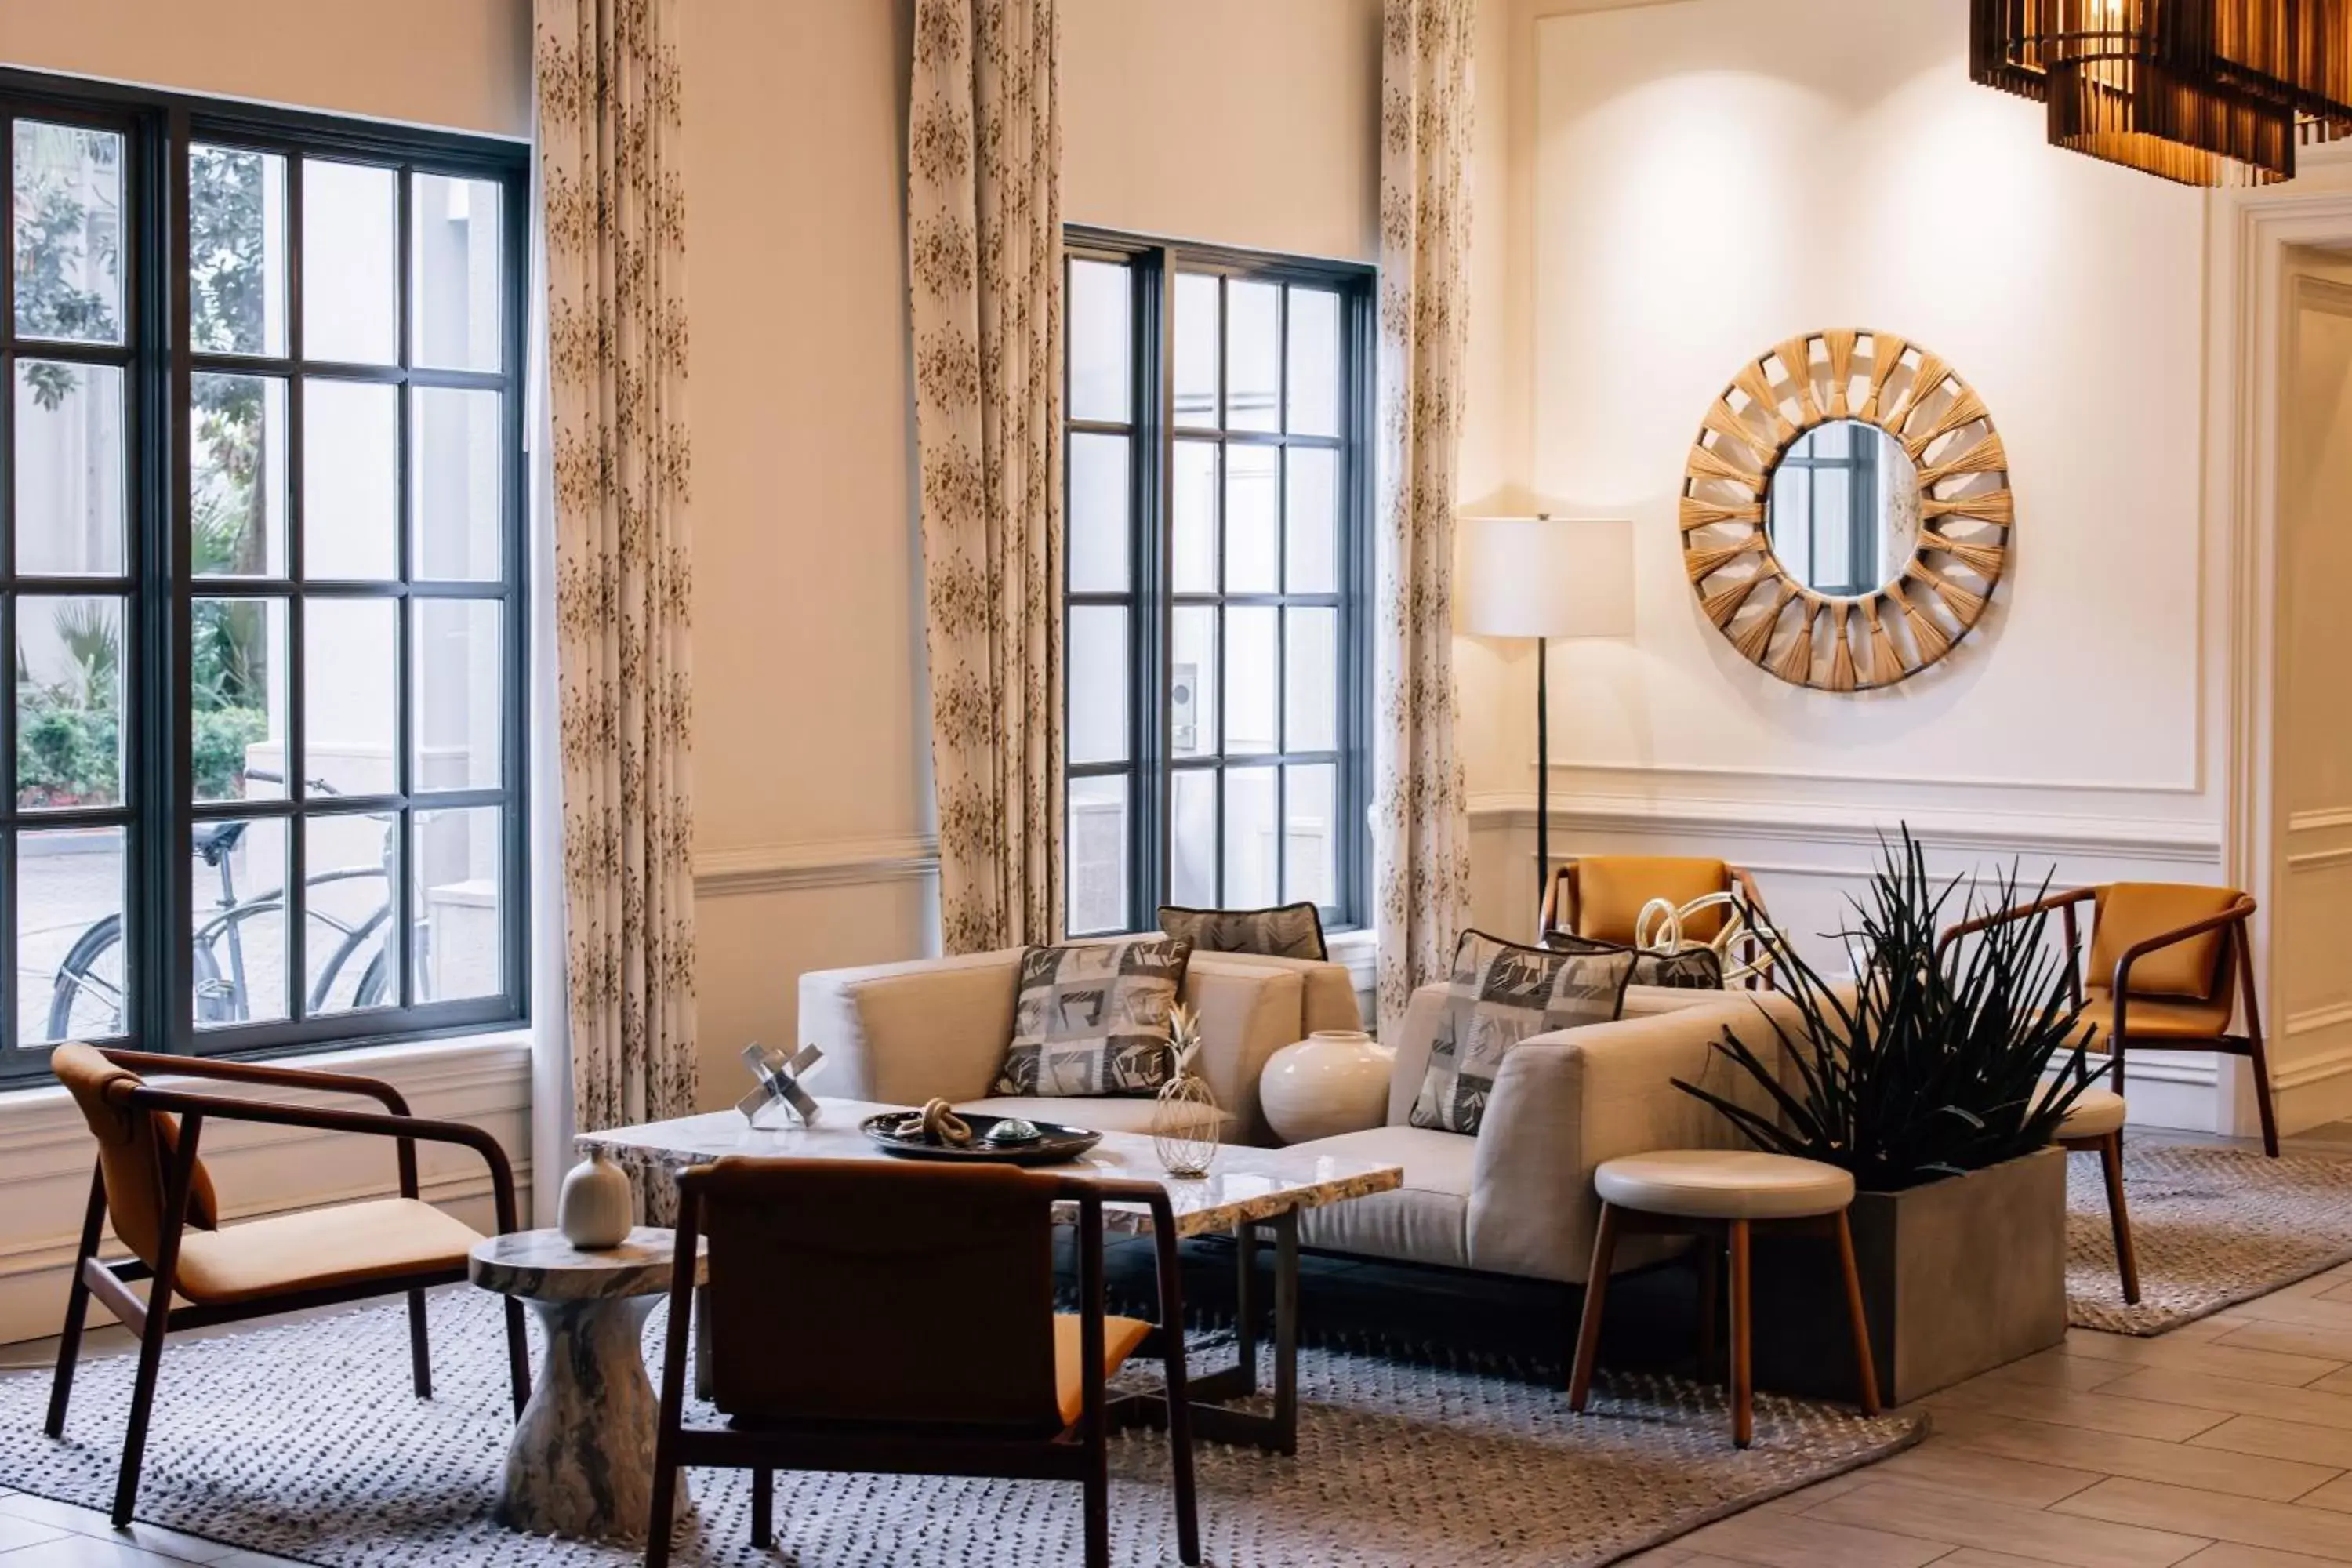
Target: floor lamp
pixel 1545 577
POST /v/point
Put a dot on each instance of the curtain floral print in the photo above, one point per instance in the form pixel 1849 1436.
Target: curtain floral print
pixel 984 246
pixel 1421 834
pixel 609 112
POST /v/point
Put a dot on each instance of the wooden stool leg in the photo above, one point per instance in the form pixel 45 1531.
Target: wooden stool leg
pixel 1863 1364
pixel 1596 1291
pixel 1709 1253
pixel 1743 1372
pixel 2111 1164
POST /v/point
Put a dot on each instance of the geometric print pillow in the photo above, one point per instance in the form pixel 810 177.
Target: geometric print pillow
pixel 1692 969
pixel 1092 1020
pixel 1289 930
pixel 1501 994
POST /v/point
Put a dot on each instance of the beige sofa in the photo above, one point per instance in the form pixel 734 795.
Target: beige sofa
pixel 1517 1198
pixel 904 1033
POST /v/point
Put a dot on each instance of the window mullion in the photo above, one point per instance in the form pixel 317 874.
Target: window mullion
pixel 162 907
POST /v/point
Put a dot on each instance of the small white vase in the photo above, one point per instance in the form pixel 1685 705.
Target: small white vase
pixel 1334 1082
pixel 597 1210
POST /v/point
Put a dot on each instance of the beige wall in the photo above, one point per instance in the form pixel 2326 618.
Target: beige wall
pixel 1234 121
pixel 465 64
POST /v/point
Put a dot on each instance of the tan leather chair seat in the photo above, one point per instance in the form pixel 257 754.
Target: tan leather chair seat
pixel 2152 1018
pixel 2095 1113
pixel 1120 1336
pixel 319 1247
pixel 1723 1183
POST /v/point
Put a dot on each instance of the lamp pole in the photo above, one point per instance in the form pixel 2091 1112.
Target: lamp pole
pixel 1543 778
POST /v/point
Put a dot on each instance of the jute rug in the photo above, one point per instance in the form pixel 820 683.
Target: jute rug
pixel 2212 1226
pixel 305 1441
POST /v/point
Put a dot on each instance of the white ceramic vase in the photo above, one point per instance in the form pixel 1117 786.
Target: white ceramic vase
pixel 1335 1080
pixel 596 1210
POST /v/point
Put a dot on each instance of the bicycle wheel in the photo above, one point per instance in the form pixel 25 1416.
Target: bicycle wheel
pixel 86 1002
pixel 370 993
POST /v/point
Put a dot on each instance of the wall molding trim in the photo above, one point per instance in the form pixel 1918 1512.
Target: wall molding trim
pixel 1883 780
pixel 2185 841
pixel 815 863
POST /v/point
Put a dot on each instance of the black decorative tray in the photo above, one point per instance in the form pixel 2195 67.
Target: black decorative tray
pixel 1058 1143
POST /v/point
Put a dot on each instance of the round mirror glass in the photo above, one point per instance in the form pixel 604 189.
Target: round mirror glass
pixel 1843 509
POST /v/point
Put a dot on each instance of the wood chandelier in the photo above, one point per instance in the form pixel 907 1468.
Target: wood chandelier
pixel 1959 475
pixel 2206 92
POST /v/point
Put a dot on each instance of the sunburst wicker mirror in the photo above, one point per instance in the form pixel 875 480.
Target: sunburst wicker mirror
pixel 1846 510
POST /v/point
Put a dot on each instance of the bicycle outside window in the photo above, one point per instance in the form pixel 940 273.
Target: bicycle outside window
pixel 261 567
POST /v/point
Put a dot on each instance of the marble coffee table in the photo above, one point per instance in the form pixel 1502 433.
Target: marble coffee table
pixel 580 1462
pixel 1247 1191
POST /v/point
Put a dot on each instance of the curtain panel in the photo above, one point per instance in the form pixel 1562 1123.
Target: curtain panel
pixel 984 268
pixel 615 219
pixel 1421 832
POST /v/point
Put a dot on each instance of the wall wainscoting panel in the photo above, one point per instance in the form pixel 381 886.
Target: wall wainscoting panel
pixel 46 1157
pixel 818 863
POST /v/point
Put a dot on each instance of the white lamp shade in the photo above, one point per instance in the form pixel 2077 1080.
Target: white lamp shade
pixel 1545 577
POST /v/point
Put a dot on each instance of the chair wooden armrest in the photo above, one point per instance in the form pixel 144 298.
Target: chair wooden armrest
pixel 2054 903
pixel 194 1109
pixel 373 1089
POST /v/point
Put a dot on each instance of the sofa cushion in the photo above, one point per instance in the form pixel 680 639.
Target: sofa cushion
pixel 1427 1220
pixel 1286 931
pixel 1096 1114
pixel 1500 994
pixel 1091 1018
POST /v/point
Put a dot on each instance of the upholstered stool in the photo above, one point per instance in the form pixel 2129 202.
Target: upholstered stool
pixel 2094 1125
pixel 1719 1196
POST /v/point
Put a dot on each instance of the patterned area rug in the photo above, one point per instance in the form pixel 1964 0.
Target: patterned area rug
pixel 2212 1227
pixel 305 1441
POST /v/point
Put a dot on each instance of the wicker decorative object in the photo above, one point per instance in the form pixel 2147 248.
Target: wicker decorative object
pixel 1185 1120
pixel 1826 641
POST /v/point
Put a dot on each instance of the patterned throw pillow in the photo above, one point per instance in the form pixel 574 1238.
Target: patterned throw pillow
pixel 1692 969
pixel 1290 931
pixel 1092 1019
pixel 1503 993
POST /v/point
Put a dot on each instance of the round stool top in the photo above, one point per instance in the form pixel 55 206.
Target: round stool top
pixel 1723 1183
pixel 541 1266
pixel 2095 1113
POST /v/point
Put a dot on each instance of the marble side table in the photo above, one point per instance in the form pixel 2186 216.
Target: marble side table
pixel 582 1460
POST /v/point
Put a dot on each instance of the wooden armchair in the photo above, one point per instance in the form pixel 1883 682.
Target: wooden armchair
pixel 2170 966
pixel 151 1182
pixel 899 1319
pixel 1600 897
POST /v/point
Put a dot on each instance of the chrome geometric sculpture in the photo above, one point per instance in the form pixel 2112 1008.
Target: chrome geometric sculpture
pixel 779 1078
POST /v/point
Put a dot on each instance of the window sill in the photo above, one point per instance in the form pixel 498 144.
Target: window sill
pixel 412 1066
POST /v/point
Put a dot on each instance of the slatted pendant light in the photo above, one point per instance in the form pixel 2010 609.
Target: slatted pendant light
pixel 2202 92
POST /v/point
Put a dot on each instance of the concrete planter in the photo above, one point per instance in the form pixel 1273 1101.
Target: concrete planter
pixel 1958 1276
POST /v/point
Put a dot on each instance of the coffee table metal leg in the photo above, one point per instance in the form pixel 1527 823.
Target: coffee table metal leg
pixel 1214 1418
pixel 1285 1331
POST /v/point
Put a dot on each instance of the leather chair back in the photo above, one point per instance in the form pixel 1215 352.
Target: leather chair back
pixel 844 1290
pixel 1607 892
pixel 2200 969
pixel 135 1149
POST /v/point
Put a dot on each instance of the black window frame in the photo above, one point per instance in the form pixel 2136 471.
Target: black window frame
pixel 1151 764
pixel 161 893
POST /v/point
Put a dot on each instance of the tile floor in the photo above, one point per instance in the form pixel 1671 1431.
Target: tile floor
pixel 2225 1444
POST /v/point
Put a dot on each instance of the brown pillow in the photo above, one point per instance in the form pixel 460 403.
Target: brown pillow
pixel 1286 931
pixel 1692 969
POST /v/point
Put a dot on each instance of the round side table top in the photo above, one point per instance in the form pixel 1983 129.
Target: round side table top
pixel 541 1266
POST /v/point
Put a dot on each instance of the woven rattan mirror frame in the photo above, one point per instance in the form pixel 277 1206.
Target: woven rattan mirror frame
pixel 1966 510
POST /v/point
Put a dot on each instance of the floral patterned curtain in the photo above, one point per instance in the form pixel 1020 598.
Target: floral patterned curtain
pixel 615 232
pixel 984 246
pixel 1421 832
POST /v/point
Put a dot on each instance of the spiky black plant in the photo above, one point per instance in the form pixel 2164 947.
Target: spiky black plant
pixel 1934 1064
